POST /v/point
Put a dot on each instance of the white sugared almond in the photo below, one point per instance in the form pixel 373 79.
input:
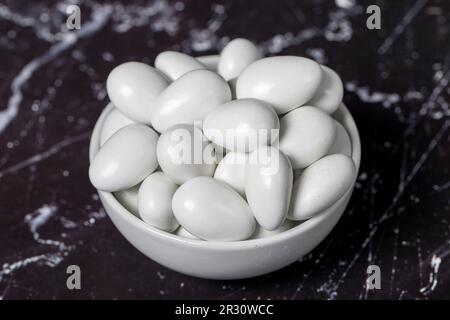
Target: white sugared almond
pixel 236 56
pixel 189 98
pixel 306 135
pixel 320 185
pixel 242 125
pixel 286 82
pixel 212 210
pixel 133 88
pixel 125 159
pixel 175 64
pixel 155 201
pixel 268 187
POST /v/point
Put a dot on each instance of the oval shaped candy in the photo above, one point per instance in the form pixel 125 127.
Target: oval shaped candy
pixel 286 82
pixel 211 210
pixel 242 125
pixel 114 121
pixel 174 64
pixel 269 185
pixel 342 143
pixel 189 98
pixel 306 135
pixel 321 185
pixel 155 202
pixel 329 95
pixel 133 88
pixel 236 56
pixel 232 169
pixel 125 159
pixel 129 199
pixel 183 153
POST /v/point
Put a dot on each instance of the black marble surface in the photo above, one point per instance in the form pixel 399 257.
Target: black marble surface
pixel 52 89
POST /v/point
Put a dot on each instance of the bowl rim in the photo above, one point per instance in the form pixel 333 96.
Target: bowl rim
pixel 343 116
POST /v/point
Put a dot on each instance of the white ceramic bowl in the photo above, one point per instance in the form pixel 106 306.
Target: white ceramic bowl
pixel 227 260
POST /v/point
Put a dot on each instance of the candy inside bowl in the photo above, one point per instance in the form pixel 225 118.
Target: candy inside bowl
pixel 263 251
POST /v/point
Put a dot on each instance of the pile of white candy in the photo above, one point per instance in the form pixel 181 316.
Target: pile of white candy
pixel 240 197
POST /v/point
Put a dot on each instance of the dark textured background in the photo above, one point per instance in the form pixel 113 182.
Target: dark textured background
pixel 52 89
